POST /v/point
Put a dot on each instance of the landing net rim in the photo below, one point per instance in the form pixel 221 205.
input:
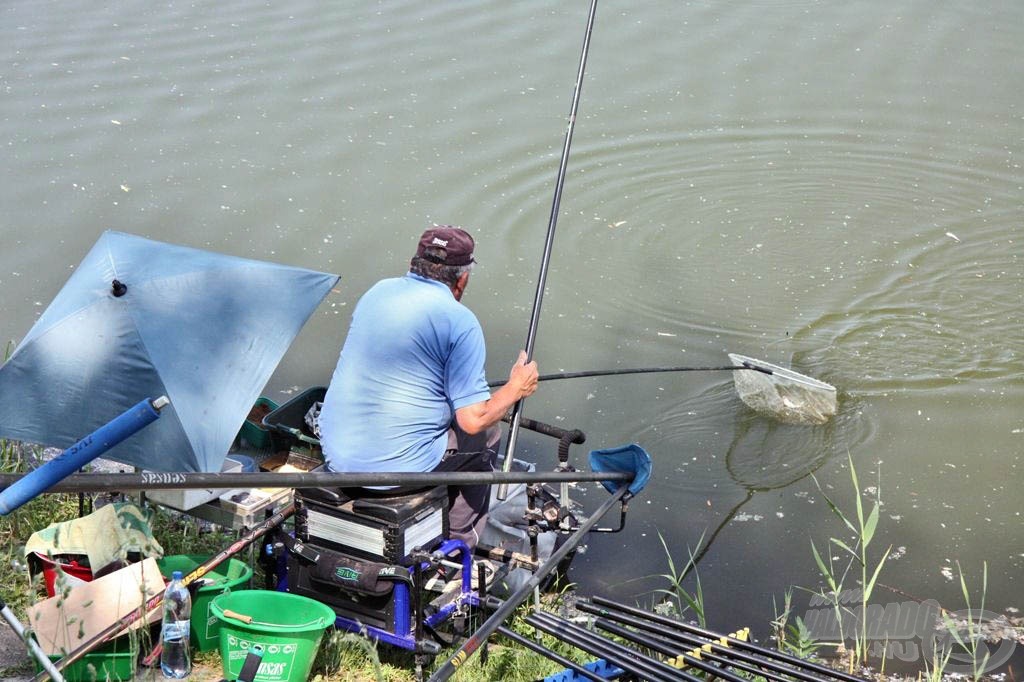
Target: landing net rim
pixel 781 372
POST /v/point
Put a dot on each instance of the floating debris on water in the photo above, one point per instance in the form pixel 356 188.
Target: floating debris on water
pixel 953 237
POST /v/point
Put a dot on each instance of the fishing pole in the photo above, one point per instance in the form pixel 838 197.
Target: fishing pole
pixel 702 662
pixel 100 482
pixel 531 335
pixel 613 652
pixel 635 370
pixel 671 626
pixel 536 647
pixel 722 652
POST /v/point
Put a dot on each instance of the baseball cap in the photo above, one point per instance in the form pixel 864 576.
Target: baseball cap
pixel 446 244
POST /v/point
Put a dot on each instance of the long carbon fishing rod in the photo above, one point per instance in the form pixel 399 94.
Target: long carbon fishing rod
pixel 531 335
pixel 539 648
pixel 706 661
pixel 100 482
pixel 618 654
pixel 636 370
pixel 608 608
pixel 768 668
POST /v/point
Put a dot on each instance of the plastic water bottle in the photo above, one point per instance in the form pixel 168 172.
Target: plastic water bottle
pixel 174 659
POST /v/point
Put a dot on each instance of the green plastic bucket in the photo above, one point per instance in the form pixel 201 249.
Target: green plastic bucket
pixel 112 662
pixel 288 627
pixel 230 575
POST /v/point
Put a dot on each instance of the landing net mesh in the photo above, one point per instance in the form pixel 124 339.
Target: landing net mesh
pixel 784 395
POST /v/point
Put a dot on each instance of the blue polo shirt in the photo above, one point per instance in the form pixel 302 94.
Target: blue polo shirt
pixel 412 357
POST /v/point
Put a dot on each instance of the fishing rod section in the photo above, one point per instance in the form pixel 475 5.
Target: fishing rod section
pixel 633 370
pixel 771 390
pixel 125 482
pixel 640 644
pixel 531 334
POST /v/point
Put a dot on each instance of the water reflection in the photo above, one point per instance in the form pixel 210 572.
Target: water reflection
pixel 762 454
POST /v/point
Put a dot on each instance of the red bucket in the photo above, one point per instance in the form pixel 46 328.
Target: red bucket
pixel 73 569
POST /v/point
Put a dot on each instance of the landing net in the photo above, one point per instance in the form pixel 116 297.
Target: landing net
pixel 785 395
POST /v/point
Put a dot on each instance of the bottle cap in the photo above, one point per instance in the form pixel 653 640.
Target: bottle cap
pixel 176 575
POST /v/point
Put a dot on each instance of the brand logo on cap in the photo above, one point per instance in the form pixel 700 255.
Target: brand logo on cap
pixel 439 242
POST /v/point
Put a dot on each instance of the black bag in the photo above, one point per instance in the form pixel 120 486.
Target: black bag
pixel 356 575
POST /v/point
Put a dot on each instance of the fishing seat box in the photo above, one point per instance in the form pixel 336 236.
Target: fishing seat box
pixel 375 526
pixel 372 531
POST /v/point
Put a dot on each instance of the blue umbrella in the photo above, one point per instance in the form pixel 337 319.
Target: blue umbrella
pixel 141 318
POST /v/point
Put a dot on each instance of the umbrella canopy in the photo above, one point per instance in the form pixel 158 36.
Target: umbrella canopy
pixel 140 319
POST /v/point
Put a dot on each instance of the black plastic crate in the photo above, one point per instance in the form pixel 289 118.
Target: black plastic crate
pixel 288 421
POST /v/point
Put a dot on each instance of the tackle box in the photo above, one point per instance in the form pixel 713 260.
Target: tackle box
pixel 184 500
pixel 378 528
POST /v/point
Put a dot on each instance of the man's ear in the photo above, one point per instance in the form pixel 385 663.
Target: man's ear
pixel 459 287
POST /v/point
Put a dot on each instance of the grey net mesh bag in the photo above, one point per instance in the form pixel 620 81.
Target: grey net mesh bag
pixel 783 394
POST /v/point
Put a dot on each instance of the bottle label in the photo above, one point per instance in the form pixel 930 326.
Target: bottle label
pixel 175 630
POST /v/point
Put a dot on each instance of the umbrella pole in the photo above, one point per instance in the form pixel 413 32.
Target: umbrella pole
pixel 81 453
pixel 157 600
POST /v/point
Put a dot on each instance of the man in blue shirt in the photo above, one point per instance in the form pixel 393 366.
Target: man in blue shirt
pixel 409 391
